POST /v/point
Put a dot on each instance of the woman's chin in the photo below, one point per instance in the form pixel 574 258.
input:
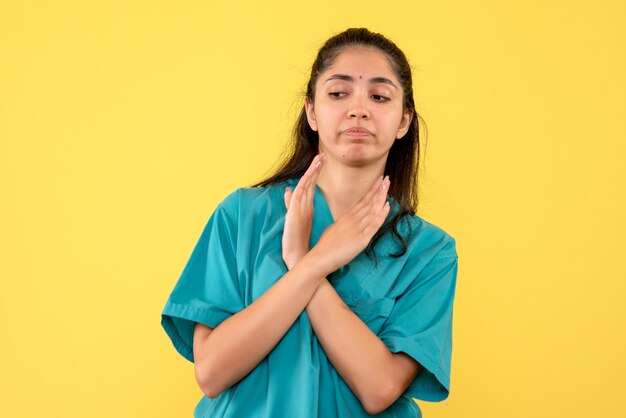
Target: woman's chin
pixel 355 153
pixel 356 157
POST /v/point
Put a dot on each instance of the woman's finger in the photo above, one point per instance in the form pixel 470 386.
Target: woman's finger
pixel 363 206
pixel 378 220
pixel 301 187
pixel 379 206
pixel 379 200
pixel 383 193
pixel 370 212
pixel 288 194
pixel 371 192
pixel 317 168
pixel 304 185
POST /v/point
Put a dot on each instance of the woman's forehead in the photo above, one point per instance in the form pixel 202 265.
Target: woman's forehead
pixel 361 62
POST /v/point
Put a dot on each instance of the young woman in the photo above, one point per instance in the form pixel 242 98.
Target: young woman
pixel 319 292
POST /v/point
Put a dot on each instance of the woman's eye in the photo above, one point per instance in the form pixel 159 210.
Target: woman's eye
pixel 336 94
pixel 379 98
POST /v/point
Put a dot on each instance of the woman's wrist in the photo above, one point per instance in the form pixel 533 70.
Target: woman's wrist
pixel 316 261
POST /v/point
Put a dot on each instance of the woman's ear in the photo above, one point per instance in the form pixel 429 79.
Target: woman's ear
pixel 405 124
pixel 310 114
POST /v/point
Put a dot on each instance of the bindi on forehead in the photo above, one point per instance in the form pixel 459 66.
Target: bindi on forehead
pixel 349 78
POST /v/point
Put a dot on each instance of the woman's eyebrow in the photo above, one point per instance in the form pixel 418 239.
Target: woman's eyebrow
pixel 373 80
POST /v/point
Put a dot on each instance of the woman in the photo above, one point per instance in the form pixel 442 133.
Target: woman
pixel 293 302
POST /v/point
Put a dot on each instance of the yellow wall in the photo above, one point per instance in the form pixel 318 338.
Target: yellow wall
pixel 122 125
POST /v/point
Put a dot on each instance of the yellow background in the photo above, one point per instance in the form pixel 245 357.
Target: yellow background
pixel 122 125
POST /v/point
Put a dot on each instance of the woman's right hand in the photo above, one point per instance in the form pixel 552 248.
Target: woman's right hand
pixel 353 231
pixel 299 203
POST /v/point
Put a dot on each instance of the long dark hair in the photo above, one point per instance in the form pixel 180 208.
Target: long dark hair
pixel 404 156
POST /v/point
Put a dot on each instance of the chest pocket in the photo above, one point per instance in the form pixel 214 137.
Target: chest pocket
pixel 372 311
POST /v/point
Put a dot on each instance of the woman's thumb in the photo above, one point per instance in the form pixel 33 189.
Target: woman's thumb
pixel 287 197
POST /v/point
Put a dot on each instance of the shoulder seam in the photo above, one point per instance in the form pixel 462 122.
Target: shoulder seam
pixel 230 217
pixel 439 256
pixel 223 206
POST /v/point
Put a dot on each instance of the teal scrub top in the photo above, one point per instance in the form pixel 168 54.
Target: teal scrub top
pixel 407 302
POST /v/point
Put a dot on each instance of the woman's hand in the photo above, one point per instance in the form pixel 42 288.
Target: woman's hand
pixel 299 203
pixel 352 232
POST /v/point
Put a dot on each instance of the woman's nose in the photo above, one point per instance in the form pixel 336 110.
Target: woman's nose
pixel 358 107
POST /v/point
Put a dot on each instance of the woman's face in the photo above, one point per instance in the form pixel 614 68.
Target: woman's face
pixel 357 109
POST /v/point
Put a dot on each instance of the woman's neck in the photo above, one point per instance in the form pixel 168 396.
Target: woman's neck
pixel 343 186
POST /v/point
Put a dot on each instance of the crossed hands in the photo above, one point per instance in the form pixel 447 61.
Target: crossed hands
pixel 344 239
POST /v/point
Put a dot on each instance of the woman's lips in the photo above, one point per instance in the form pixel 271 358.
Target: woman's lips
pixel 357 132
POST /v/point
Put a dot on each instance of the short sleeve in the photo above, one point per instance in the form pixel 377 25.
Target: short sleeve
pixel 420 324
pixel 207 290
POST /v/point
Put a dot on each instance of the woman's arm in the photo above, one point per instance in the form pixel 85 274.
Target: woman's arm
pixel 374 374
pixel 229 352
pixel 226 354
